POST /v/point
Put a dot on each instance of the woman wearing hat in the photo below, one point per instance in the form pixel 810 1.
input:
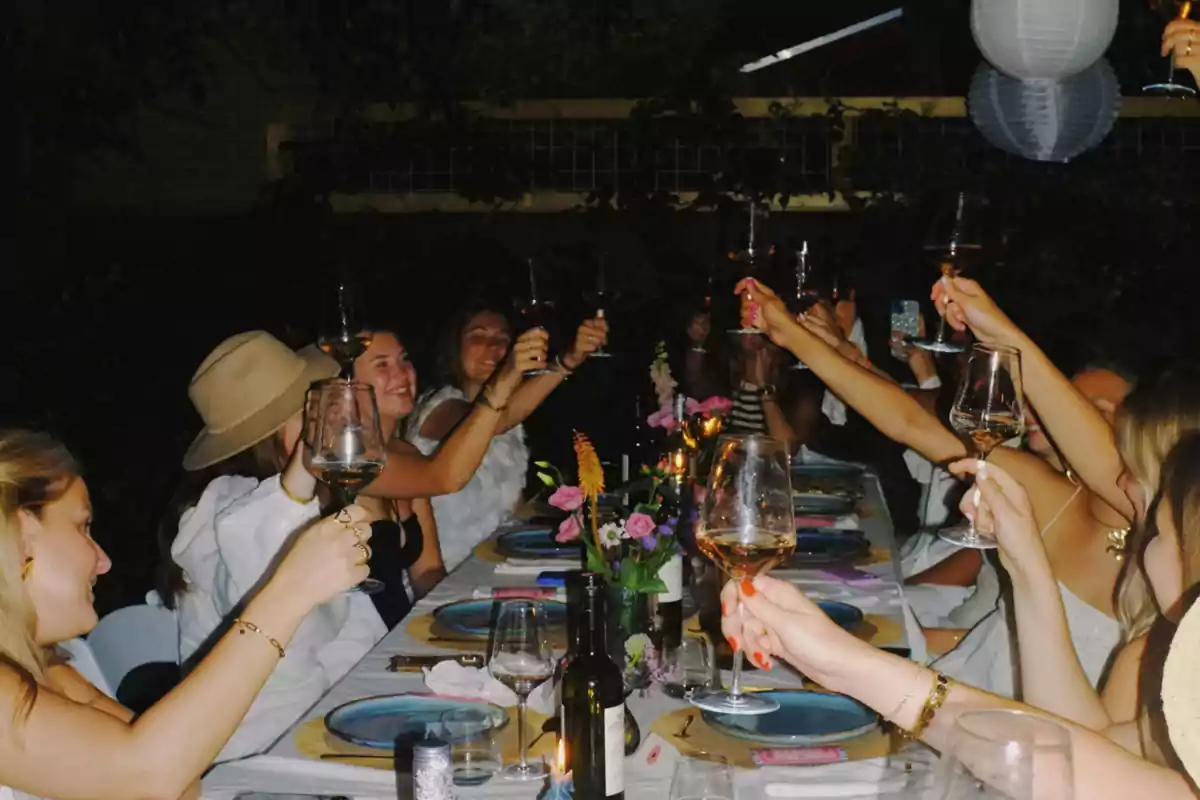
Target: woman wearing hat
pixel 59 737
pixel 247 494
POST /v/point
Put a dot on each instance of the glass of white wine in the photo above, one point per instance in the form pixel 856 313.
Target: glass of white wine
pixel 989 409
pixel 746 526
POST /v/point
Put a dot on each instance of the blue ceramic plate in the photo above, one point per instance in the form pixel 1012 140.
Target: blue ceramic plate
pixel 378 721
pixel 838 472
pixel 823 504
pixel 535 543
pixel 804 719
pixel 844 614
pixel 474 617
pixel 816 547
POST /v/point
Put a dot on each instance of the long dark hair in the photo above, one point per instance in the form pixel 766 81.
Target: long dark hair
pixel 260 461
pixel 448 365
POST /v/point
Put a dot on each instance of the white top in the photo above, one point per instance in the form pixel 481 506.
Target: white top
pixel 12 794
pixel 470 515
pixel 226 543
pixel 984 659
pixel 831 406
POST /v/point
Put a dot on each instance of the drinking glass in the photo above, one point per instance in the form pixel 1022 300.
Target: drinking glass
pixel 806 296
pixel 688 667
pixel 746 526
pixel 988 410
pixel 707 778
pixel 474 751
pixel 340 334
pixel 954 241
pixel 348 449
pixel 1005 755
pixel 535 313
pixel 522 659
pixel 749 261
pixel 599 298
pixel 1171 9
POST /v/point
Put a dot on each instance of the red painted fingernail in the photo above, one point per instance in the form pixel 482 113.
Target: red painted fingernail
pixel 732 642
pixel 748 588
pixel 760 659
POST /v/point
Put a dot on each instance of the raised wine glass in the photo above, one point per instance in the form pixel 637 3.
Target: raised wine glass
pixel 989 409
pixel 806 296
pixel 340 334
pixel 535 312
pixel 522 658
pixel 599 298
pixel 1171 9
pixel 348 450
pixel 706 309
pixel 750 261
pixel 954 242
pixel 746 526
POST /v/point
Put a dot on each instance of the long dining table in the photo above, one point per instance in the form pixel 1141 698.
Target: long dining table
pixel 294 766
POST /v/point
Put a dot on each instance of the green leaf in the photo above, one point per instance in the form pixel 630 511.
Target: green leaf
pixel 653 586
pixel 542 464
pixel 546 479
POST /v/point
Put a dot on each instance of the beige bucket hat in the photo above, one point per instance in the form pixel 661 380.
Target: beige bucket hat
pixel 248 388
pixel 1181 691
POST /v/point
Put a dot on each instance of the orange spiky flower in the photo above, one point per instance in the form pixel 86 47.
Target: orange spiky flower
pixel 591 479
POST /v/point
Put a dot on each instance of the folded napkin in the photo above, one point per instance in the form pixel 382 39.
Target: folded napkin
pixel 532 566
pixel 451 679
pixel 522 592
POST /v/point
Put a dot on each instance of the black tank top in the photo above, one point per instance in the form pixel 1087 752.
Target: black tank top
pixel 389 561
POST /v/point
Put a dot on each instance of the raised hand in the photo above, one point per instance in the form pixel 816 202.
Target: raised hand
pixel 328 558
pixel 1005 512
pixel 764 311
pixel 591 335
pixel 1181 38
pixel 965 304
pixel 822 324
pixel 528 352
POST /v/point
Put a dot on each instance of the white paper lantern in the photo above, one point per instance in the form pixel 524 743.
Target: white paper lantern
pixel 1030 39
pixel 1045 120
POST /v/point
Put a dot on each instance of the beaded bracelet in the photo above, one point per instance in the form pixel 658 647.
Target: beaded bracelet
pixel 937 696
pixel 245 625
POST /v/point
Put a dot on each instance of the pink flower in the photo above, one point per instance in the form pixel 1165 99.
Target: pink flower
pixel 716 405
pixel 690 406
pixel 663 418
pixel 568 530
pixel 639 525
pixel 567 498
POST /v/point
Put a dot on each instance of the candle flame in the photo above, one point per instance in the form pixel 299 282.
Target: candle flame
pixel 561 757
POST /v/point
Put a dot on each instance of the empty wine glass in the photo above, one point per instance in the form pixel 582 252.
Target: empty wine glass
pixel 1002 754
pixel 340 334
pixel 988 410
pixel 706 776
pixel 348 449
pixel 749 262
pixel 522 659
pixel 535 313
pixel 954 241
pixel 1171 9
pixel 688 667
pixel 746 526
pixel 474 751
pixel 599 298
pixel 805 295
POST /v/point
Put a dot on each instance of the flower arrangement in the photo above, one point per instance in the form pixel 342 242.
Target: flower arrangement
pixel 664 390
pixel 628 549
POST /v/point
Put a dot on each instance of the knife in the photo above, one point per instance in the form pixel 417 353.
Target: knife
pixel 416 663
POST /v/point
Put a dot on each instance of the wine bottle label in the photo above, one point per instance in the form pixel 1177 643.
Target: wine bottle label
pixel 614 750
pixel 671 573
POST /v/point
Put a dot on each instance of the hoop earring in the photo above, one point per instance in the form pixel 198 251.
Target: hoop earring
pixel 26 568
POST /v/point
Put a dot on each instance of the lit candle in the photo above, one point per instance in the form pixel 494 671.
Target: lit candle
pixel 562 785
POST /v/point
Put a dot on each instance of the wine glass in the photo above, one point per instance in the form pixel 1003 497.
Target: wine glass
pixel 746 526
pixel 535 313
pixel 989 409
pixel 340 334
pixel 688 667
pixel 522 659
pixel 348 449
pixel 1006 754
pixel 706 776
pixel 749 260
pixel 1171 9
pixel 954 241
pixel 707 307
pixel 598 299
pixel 806 296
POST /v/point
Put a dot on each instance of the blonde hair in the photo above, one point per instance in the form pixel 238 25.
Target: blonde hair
pixel 1150 422
pixel 35 470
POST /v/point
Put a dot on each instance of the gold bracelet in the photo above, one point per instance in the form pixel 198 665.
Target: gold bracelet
pixel 245 625
pixel 291 496
pixel 937 696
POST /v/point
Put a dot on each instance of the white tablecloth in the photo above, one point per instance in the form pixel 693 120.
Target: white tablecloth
pixel 283 770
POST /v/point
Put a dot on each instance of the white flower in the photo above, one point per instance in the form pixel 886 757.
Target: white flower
pixel 611 534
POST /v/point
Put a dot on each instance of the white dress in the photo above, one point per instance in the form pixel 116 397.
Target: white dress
pixel 12 794
pixel 226 544
pixel 472 514
pixel 985 660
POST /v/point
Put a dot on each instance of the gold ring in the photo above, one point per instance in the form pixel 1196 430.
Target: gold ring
pixel 343 517
pixel 358 535
pixel 1188 52
pixel 366 551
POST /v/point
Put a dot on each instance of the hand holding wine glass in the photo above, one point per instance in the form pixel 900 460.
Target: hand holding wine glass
pixel 964 304
pixel 599 299
pixel 529 352
pixel 1179 48
pixel 522 659
pixel 589 337
pixel 328 557
pixel 1005 512
pixel 762 309
pixel 1181 40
